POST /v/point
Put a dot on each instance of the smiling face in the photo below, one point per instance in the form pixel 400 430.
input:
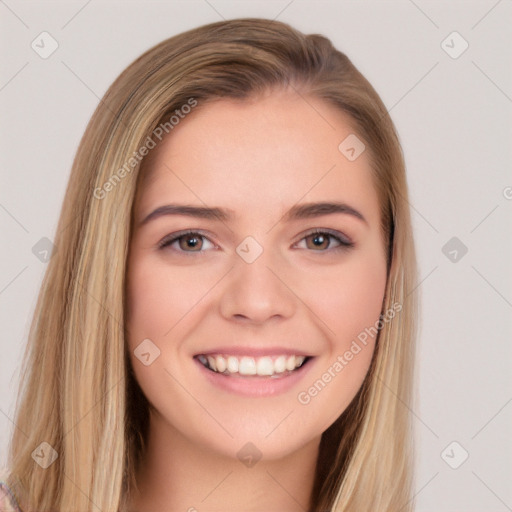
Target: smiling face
pixel 269 288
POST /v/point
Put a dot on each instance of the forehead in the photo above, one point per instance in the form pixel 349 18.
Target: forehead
pixel 258 157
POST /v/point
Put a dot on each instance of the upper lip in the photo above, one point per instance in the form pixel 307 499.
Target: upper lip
pixel 254 351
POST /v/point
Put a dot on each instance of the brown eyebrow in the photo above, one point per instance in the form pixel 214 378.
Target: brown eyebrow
pixel 297 212
pixel 309 210
pixel 190 211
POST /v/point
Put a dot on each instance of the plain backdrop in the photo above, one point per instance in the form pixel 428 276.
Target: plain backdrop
pixel 450 96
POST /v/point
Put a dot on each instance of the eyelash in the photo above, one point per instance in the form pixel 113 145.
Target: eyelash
pixel 343 243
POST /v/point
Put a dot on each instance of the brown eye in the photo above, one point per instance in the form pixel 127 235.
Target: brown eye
pixel 188 242
pixel 318 241
pixel 191 241
pixel 322 241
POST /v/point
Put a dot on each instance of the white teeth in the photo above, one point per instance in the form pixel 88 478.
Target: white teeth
pixel 265 366
pixel 232 364
pixel 290 363
pixel 212 363
pixel 247 366
pixel 280 364
pixel 221 364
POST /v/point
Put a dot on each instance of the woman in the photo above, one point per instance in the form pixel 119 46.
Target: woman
pixel 228 322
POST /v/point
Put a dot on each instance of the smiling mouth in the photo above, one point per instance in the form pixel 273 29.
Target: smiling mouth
pixel 246 366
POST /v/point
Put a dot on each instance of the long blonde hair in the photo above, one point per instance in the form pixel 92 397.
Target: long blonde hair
pixel 78 392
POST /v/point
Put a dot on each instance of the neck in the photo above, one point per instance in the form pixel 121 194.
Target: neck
pixel 177 474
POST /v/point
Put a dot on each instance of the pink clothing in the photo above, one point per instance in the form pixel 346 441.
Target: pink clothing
pixel 7 499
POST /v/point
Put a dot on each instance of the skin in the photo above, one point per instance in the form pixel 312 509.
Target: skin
pixel 258 158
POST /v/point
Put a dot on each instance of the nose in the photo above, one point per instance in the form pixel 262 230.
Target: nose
pixel 256 292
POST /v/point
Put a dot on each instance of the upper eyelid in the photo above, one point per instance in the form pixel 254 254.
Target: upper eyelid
pixel 174 237
pixel 333 232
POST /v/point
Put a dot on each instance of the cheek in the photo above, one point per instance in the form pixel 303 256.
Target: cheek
pixel 348 297
pixel 348 301
pixel 159 297
pixel 150 305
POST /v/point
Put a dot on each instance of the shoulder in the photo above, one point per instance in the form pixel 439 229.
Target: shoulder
pixel 7 499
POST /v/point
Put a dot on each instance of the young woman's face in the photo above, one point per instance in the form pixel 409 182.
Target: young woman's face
pixel 253 288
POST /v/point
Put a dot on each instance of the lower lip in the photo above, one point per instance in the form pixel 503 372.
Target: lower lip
pixel 255 386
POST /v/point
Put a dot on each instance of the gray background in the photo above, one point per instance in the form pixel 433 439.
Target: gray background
pixel 454 119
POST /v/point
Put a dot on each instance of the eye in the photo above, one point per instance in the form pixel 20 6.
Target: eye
pixel 189 241
pixel 317 240
pixel 321 241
